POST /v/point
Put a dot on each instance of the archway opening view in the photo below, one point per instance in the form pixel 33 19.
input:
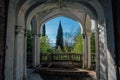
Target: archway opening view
pixel 63 47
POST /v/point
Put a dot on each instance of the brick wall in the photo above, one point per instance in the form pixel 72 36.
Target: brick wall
pixel 2 36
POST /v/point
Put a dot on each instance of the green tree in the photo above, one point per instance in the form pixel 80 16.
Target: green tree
pixel 66 49
pixel 59 38
pixel 44 30
pixel 78 45
pixel 59 50
pixel 44 45
pixel 69 40
pixel 29 40
pixel 44 42
pixel 92 43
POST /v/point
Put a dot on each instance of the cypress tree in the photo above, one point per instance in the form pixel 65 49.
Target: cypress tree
pixel 59 38
pixel 44 31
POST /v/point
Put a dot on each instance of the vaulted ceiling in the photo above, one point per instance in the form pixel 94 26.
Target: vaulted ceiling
pixel 43 10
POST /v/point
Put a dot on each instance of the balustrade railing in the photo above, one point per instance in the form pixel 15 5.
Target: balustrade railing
pixel 74 57
pixel 61 57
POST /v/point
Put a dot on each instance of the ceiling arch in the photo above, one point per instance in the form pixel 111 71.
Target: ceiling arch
pixel 57 11
pixel 91 7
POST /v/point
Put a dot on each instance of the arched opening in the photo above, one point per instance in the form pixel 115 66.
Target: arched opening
pixel 69 30
pixel 71 51
pixel 16 39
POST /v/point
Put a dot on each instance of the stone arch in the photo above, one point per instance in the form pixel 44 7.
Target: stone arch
pixel 90 13
pixel 16 31
pixel 57 15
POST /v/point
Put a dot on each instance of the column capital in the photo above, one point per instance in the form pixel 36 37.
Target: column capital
pixel 85 35
pixel 19 29
pixel 36 34
pixel 88 34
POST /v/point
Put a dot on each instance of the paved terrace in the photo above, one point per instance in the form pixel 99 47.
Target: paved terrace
pixel 60 72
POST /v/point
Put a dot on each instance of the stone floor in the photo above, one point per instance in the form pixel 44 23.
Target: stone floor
pixel 34 76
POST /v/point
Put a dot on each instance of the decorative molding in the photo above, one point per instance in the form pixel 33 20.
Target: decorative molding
pixel 39 35
pixel 19 29
pixel 60 3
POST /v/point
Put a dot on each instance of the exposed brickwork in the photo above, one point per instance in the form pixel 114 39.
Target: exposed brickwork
pixel 2 37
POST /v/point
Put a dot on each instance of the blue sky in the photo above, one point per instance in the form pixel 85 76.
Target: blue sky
pixel 68 25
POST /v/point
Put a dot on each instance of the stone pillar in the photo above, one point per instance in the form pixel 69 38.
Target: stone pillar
pixel 36 42
pixel 88 50
pixel 25 56
pixel 10 41
pixel 97 55
pixel 19 53
pixel 85 51
pixel 36 50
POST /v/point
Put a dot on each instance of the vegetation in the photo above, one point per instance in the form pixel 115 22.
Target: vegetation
pixel 62 46
pixel 66 49
pixel 59 50
pixel 44 31
pixel 44 45
pixel 44 42
pixel 59 38
pixel 78 45
pixel 29 41
pixel 69 38
pixel 93 43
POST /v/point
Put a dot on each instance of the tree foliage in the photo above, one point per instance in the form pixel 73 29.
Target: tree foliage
pixel 69 40
pixel 44 45
pixel 29 40
pixel 59 38
pixel 78 45
pixel 69 37
pixel 66 49
pixel 59 50
pixel 92 43
pixel 44 42
pixel 44 30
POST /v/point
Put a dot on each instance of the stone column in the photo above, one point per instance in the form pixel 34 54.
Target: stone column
pixel 25 56
pixel 84 51
pixel 36 50
pixel 36 42
pixel 88 50
pixel 97 55
pixel 19 53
